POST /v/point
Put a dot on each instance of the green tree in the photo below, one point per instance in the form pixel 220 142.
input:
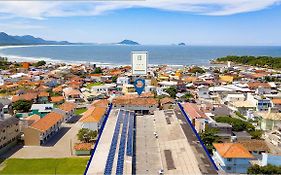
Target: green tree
pixel 172 91
pixel 22 105
pixel 114 79
pixel 209 137
pixel 237 124
pixel 269 169
pixel 97 70
pixel 40 63
pixel 86 135
pixel 187 96
pixel 196 69
pixel 260 61
pixel 256 134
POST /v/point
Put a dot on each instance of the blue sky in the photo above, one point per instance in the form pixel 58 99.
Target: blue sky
pixel 196 22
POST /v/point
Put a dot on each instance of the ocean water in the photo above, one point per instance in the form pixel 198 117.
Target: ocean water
pixel 120 54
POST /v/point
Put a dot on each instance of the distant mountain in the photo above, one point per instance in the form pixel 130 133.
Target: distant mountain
pixel 6 39
pixel 128 42
pixel 181 44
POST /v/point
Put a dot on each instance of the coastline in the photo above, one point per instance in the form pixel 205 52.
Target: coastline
pixel 18 58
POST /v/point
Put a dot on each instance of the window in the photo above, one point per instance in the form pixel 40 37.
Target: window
pixel 229 159
pixel 228 168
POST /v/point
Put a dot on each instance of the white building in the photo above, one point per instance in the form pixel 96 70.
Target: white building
pixel 103 89
pixel 123 80
pixel 203 92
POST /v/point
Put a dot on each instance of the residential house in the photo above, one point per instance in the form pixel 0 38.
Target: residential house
pixel 41 109
pixel 95 77
pixel 276 104
pixel 57 100
pixel 93 118
pixel 69 109
pixel 9 131
pixel 269 120
pixel 40 131
pixel 103 89
pixel 167 103
pixel 128 88
pixel 234 98
pixel 271 159
pixel 241 135
pixel 43 97
pixel 167 84
pixel 255 147
pixel 260 88
pixel 123 80
pixel 224 130
pixel 262 103
pixel 203 92
pixel 28 96
pixel 197 116
pixel 232 157
pixel 73 95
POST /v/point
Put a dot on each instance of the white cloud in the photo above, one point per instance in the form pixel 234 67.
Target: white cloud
pixel 44 9
pixel 19 25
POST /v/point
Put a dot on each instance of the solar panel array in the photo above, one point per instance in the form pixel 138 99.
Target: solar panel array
pixel 130 135
pixel 120 161
pixel 112 150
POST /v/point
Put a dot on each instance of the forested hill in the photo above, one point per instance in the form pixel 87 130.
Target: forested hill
pixel 259 61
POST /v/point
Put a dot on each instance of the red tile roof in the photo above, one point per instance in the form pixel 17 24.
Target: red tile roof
pixel 193 111
pixel 93 114
pixel 232 150
pixel 83 146
pixel 57 99
pixel 254 85
pixel 67 106
pixel 47 122
pixel 28 97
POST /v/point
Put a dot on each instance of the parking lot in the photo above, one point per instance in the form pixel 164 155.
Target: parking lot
pixel 170 151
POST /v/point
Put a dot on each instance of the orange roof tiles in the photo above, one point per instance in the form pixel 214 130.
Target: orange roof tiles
pixel 190 79
pixel 83 146
pixel 100 103
pixel 276 101
pixel 67 106
pixel 57 89
pixel 43 94
pixel 193 111
pixel 255 85
pixel 33 118
pixel 93 114
pixel 57 99
pixel 47 122
pixel 28 97
pixel 95 75
pixel 232 150
pixel 136 101
pixel 166 100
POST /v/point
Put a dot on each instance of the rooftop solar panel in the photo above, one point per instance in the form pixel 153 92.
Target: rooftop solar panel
pixel 120 161
pixel 112 150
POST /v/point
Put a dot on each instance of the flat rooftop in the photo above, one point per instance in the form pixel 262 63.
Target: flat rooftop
pixel 114 153
pixel 170 151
